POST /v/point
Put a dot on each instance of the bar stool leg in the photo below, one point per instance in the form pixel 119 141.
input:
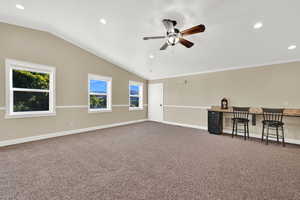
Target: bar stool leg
pixel 277 134
pixel 268 130
pixel 248 130
pixel 283 142
pixel 236 128
pixel 263 133
pixel 245 131
pixel 233 122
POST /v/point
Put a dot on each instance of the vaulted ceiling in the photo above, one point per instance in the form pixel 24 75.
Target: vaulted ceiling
pixel 229 41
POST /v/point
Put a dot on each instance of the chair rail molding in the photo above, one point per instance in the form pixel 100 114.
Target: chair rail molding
pixel 191 107
pixel 72 106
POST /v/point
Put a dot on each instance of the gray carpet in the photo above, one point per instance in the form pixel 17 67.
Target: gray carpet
pixel 149 161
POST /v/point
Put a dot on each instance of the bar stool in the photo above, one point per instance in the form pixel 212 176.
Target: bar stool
pixel 272 119
pixel 241 116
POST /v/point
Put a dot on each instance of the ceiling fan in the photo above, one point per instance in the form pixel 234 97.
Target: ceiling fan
pixel 175 36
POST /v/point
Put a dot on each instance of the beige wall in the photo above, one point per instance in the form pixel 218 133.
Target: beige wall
pixel 268 86
pixel 72 67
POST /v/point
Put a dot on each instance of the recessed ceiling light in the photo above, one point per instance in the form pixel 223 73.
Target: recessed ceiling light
pixel 151 56
pixel 292 47
pixel 102 21
pixel 19 6
pixel 258 25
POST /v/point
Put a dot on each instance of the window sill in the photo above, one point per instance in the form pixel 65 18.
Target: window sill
pixel 29 115
pixel 99 110
pixel 135 108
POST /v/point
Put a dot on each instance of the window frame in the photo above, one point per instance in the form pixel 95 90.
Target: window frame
pixel 108 80
pixel 141 95
pixel 32 67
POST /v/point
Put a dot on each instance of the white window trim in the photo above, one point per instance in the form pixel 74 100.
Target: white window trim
pixel 21 65
pixel 108 94
pixel 141 94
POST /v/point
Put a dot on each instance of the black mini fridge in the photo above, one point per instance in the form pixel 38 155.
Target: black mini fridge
pixel 215 122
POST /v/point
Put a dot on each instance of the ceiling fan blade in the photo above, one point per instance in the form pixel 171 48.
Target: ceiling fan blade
pixel 169 24
pixel 196 29
pixel 186 43
pixel 155 37
pixel 164 47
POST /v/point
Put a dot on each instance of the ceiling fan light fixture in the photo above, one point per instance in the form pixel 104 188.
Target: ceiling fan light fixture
pixel 172 40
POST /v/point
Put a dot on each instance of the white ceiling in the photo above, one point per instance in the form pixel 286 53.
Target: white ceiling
pixel 229 41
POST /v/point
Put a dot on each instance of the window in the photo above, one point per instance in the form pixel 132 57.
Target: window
pixel 135 95
pixel 99 93
pixel 30 89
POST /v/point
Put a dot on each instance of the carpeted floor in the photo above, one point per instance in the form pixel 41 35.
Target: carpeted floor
pixel 149 161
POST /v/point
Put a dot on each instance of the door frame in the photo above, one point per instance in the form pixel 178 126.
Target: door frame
pixel 163 99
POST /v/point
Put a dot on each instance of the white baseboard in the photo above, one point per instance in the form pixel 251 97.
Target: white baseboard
pixel 151 120
pixel 287 140
pixel 185 125
pixel 64 133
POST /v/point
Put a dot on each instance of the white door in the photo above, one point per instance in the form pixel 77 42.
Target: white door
pixel 155 102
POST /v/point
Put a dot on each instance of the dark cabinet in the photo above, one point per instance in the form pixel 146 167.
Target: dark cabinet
pixel 215 122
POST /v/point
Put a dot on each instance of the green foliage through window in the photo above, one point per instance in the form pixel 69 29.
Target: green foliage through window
pixel 98 101
pixel 31 101
pixel 25 101
pixel 134 101
pixel 30 80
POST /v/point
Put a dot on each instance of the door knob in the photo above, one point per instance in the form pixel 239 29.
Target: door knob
pixel 160 105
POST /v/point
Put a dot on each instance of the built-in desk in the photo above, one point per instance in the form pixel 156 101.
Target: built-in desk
pixel 258 111
pixel 218 120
